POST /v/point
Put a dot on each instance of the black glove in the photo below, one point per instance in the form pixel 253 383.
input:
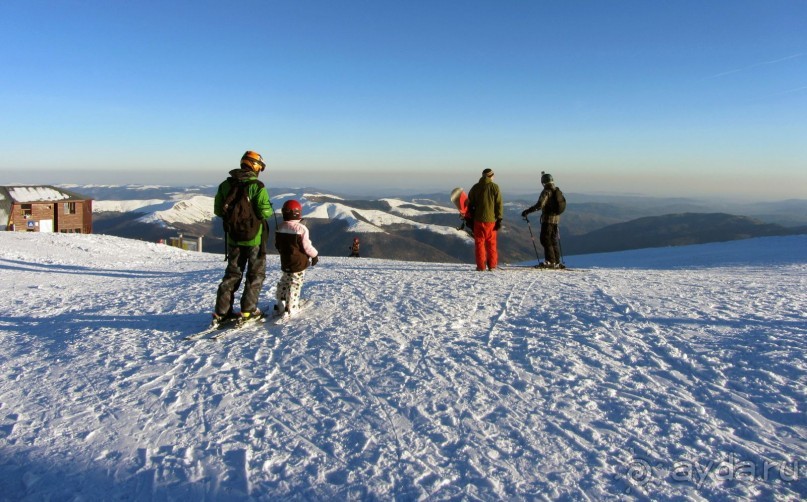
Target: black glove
pixel 314 260
pixel 524 213
pixel 498 225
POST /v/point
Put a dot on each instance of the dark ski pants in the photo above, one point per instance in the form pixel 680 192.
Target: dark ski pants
pixel 550 240
pixel 242 258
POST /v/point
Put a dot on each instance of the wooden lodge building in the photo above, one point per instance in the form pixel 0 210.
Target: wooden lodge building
pixel 44 208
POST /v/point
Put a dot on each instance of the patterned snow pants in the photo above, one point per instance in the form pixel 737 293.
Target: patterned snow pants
pixel 288 290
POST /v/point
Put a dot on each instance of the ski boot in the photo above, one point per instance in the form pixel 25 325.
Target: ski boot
pixel 249 316
pixel 220 320
pixel 279 309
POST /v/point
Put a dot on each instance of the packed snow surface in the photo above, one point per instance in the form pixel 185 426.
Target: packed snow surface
pixel 665 374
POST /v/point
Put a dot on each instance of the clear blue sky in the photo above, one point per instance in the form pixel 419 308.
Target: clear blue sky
pixel 658 97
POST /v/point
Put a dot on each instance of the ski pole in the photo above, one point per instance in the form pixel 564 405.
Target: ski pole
pixel 560 246
pixel 533 238
pixel 274 214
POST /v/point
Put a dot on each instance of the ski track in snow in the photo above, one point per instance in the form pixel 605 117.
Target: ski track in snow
pixel 405 380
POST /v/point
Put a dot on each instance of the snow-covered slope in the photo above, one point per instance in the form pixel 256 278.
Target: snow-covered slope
pixel 196 209
pixel 186 210
pixel 127 206
pixel 407 380
pixel 199 209
pixel 368 220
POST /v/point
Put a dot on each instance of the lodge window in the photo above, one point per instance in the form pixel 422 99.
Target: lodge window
pixel 27 210
pixel 69 208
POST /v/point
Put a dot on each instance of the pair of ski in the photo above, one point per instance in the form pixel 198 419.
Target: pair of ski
pixel 538 267
pixel 234 325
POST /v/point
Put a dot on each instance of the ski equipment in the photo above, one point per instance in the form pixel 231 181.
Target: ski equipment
pixel 550 266
pixel 227 325
pixel 282 316
pixel 532 236
pixel 241 323
pixel 239 218
pixel 213 328
pixel 460 200
pixel 543 268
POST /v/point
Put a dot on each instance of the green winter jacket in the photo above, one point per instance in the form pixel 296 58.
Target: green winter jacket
pixel 485 201
pixel 257 194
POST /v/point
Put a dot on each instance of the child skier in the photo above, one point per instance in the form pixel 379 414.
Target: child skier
pixel 295 248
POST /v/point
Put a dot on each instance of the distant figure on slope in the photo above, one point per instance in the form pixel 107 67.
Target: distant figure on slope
pixel 243 204
pixel 354 248
pixel 551 203
pixel 294 245
pixel 486 207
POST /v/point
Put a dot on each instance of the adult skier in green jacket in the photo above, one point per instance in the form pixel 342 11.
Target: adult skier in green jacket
pixel 247 255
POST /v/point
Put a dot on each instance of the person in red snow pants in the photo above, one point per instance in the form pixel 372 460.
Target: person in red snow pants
pixel 485 204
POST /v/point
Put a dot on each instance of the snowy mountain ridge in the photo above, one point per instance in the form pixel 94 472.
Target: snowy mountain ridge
pixel 664 374
pixel 199 209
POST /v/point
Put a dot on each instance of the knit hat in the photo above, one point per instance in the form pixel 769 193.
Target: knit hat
pixel 488 172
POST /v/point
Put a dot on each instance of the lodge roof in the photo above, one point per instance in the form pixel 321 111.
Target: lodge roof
pixel 25 194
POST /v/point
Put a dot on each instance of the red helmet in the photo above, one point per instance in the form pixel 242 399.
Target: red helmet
pixel 292 210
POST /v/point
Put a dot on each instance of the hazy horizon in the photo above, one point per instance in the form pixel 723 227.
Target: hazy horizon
pixel 376 184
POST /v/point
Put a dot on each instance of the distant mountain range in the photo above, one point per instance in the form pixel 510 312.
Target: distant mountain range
pixel 674 230
pixel 424 227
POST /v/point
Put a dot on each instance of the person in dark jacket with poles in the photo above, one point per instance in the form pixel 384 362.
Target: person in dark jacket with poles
pixel 243 255
pixel 550 219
